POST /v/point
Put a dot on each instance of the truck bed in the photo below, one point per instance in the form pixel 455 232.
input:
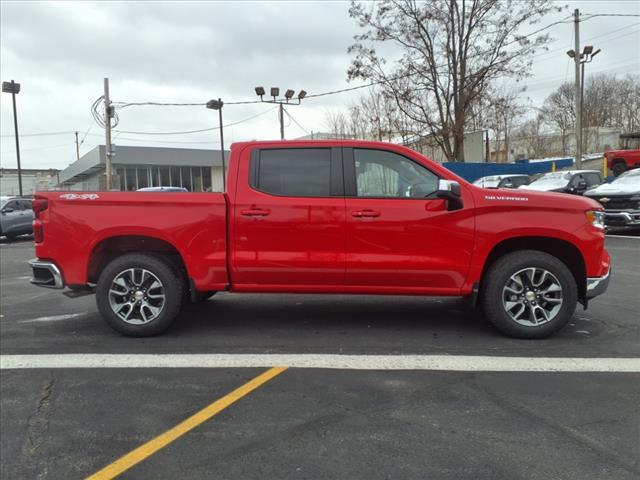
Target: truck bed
pixel 78 226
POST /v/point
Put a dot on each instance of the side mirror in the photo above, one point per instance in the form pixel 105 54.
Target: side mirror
pixel 582 185
pixel 451 192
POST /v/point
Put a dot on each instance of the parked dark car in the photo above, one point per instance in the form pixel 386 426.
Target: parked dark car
pixel 620 199
pixel 575 182
pixel 503 181
pixel 16 217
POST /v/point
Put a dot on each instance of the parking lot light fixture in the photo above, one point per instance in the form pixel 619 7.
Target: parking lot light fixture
pixel 288 97
pixel 571 54
pixel 217 105
pixel 14 88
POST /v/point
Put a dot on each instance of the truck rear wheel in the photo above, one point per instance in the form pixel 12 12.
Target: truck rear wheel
pixel 529 294
pixel 139 295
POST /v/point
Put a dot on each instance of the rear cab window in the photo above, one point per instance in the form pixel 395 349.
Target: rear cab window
pixel 296 172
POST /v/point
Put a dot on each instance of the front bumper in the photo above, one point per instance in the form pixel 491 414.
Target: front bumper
pixel 46 274
pixel 597 285
pixel 622 219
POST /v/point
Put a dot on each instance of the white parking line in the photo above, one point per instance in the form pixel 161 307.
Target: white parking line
pixel 460 363
pixel 53 318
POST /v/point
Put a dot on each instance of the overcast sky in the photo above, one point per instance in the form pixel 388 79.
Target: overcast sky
pixel 190 52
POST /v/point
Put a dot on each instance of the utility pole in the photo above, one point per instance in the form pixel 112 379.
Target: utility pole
pixel 506 139
pixel 13 88
pixel 576 58
pixel 77 148
pixel 108 113
pixel 281 122
pixel 487 153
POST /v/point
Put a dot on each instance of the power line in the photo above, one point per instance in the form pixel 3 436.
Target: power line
pixel 40 134
pixel 589 16
pixel 399 77
pixel 199 130
pixel 295 121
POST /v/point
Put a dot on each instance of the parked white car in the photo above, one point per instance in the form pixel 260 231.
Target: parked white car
pixel 503 181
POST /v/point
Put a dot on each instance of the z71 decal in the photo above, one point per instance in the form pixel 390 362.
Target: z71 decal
pixel 81 196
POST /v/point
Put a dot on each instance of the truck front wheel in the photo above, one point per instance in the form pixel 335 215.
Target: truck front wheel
pixel 529 294
pixel 619 168
pixel 139 295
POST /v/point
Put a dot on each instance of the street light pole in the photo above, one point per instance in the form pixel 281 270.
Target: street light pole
pixel 217 105
pixel 576 27
pixel 13 88
pixel 586 57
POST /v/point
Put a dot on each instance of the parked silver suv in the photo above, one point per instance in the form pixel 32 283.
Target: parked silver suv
pixel 16 217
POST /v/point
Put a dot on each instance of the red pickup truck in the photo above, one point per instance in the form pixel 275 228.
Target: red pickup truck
pixel 325 217
pixel 619 161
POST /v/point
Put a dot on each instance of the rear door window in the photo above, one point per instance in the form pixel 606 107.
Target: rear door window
pixel 293 172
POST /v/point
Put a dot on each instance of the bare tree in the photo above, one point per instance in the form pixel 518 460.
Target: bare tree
pixel 451 52
pixel 559 112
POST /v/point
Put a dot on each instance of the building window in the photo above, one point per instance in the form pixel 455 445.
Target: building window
pixel 131 181
pixel 206 179
pixel 155 177
pixel 120 172
pixel 165 177
pixel 175 177
pixel 196 174
pixel 186 178
pixel 143 178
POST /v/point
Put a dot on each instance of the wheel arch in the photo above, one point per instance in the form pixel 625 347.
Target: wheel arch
pixel 112 247
pixel 563 250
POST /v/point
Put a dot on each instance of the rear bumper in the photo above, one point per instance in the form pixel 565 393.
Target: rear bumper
pixel 598 285
pixel 46 274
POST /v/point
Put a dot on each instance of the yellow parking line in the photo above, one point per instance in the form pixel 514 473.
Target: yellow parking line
pixel 143 451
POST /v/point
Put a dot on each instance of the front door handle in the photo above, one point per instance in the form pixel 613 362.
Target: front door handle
pixel 255 212
pixel 366 213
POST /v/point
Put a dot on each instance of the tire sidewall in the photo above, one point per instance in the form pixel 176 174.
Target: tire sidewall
pixel 499 274
pixel 173 290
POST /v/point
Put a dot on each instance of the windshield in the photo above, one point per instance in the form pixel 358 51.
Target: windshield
pixel 491 181
pixel 554 178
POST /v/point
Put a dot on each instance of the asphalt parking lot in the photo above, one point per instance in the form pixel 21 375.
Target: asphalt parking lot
pixel 360 421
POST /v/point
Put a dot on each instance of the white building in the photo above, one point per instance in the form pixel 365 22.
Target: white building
pixel 138 167
pixel 32 180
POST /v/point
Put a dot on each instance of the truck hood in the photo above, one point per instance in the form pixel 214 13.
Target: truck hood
pixel 615 188
pixel 535 199
pixel 545 186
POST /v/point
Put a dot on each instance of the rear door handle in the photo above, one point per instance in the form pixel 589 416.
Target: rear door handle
pixel 255 212
pixel 365 213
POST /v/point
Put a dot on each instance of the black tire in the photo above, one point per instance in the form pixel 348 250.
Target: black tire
pixel 497 277
pixel 619 168
pixel 11 236
pixel 170 279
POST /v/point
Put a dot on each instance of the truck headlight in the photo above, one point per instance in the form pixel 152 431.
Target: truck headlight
pixel 596 218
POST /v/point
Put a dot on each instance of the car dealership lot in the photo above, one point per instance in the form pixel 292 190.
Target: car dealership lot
pixel 320 422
